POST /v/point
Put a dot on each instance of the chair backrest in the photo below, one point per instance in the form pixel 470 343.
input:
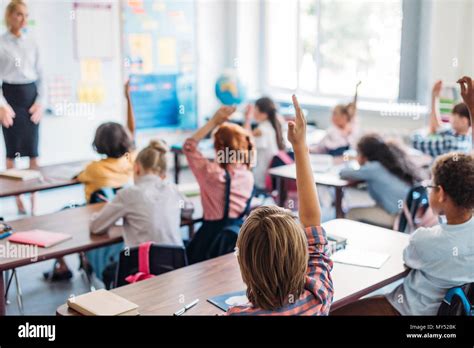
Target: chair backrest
pixel 416 201
pixel 282 158
pixel 162 259
pixel 459 301
pixel 103 194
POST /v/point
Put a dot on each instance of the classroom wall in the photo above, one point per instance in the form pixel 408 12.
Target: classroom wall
pixel 453 39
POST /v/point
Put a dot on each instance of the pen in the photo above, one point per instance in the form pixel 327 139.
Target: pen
pixel 5 235
pixel 186 307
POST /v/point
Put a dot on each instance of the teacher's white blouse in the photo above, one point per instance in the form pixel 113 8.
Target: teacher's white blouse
pixel 19 61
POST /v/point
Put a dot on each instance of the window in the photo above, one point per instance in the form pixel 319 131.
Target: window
pixel 324 47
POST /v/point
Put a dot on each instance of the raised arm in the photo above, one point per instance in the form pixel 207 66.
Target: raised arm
pixel 467 93
pixel 353 105
pixel 435 119
pixel 130 113
pixel 309 208
pixel 222 115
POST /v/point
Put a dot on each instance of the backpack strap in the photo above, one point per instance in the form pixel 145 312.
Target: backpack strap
pixel 458 291
pixel 407 213
pixel 247 206
pixel 227 195
pixel 144 257
pixel 285 157
pixel 227 198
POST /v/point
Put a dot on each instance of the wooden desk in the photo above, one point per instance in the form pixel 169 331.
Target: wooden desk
pixel 71 221
pixel 54 176
pixel 331 178
pixel 161 295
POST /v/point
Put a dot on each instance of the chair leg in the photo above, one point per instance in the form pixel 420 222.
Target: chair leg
pixel 19 297
pixel 88 275
pixel 8 281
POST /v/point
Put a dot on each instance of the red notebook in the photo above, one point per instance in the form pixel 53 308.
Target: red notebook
pixel 40 238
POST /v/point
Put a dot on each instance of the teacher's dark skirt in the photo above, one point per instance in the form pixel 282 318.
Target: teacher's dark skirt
pixel 21 139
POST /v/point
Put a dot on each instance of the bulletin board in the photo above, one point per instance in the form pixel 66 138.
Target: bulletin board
pixel 160 59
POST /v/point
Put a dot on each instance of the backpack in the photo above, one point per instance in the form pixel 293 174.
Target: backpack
pixel 459 301
pixel 143 264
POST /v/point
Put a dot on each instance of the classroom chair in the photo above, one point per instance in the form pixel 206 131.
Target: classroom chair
pixel 281 159
pixel 459 301
pixel 161 258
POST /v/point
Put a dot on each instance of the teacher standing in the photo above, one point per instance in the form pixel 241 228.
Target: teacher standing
pixel 20 74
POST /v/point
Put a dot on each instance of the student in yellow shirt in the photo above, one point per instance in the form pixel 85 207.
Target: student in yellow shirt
pixel 116 143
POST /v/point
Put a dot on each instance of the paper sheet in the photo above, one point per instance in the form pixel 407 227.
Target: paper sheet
pixel 167 51
pixel 361 258
pixel 91 70
pixel 94 27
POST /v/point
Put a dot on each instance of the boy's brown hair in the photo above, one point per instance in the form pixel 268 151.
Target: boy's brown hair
pixel 462 110
pixel 454 172
pixel 273 257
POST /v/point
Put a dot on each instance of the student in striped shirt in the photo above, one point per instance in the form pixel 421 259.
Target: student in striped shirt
pixel 443 140
pixel 284 262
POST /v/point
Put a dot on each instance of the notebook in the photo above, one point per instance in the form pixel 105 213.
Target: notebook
pixel 40 238
pixel 102 302
pixel 21 174
pixel 361 258
pixel 228 300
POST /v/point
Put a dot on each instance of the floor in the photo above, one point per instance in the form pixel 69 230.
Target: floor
pixel 41 297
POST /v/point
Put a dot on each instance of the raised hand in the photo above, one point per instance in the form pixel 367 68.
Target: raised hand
pixel 222 115
pixel 437 89
pixel 297 128
pixel 467 92
pixel 127 89
pixel 6 116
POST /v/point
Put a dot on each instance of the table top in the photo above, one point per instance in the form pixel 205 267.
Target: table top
pixel 73 221
pixel 327 178
pixel 53 176
pixel 70 221
pixel 167 293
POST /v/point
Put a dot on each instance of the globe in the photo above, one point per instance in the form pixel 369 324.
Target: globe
pixel 229 89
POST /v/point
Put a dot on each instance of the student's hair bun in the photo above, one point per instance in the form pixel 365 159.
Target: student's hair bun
pixel 159 145
pixel 153 157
